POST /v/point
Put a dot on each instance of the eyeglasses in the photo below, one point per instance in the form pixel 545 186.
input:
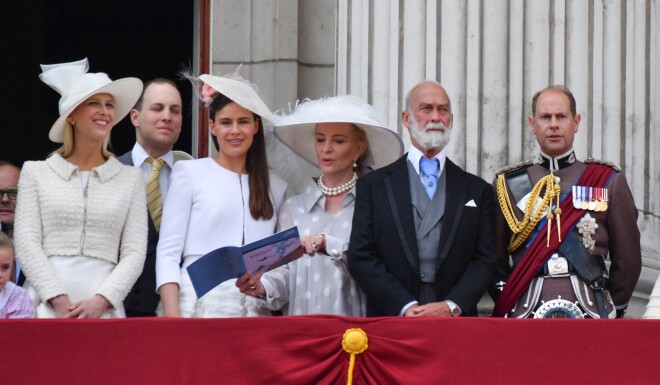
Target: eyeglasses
pixel 11 192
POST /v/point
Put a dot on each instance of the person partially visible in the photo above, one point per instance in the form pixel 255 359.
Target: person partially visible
pixel 345 138
pixel 14 300
pixel 653 307
pixel 81 223
pixel 157 117
pixel 422 241
pixel 229 199
pixel 558 220
pixel 9 174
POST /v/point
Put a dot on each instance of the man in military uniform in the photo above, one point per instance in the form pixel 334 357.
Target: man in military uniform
pixel 558 220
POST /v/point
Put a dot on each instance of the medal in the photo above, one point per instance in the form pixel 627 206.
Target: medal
pixel 577 203
pixel 592 203
pixel 597 199
pixel 601 203
pixel 585 204
pixel 605 199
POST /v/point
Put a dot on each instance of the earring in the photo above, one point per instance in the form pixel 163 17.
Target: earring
pixel 72 122
pixel 355 165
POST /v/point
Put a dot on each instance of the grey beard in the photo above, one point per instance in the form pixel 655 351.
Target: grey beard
pixel 431 140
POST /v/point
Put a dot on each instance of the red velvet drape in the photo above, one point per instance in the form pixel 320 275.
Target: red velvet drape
pixel 308 350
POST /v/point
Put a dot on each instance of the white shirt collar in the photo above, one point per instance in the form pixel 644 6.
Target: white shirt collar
pixel 414 155
pixel 139 155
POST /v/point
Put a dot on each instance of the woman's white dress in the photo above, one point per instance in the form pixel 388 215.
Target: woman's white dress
pixel 207 208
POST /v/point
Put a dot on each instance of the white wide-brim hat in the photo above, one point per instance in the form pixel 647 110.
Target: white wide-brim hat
pixel 296 130
pixel 240 92
pixel 72 81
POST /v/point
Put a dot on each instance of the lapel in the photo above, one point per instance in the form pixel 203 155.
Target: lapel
pixel 454 206
pixel 397 186
pixel 127 159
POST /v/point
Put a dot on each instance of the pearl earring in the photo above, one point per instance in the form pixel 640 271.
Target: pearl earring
pixel 355 165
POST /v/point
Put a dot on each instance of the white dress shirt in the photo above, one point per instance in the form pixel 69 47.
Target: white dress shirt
pixel 139 155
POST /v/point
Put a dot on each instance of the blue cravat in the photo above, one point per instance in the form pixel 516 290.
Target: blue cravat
pixel 429 173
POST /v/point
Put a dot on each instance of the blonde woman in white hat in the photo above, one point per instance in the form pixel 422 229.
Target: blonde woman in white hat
pixel 345 137
pixel 81 226
pixel 229 199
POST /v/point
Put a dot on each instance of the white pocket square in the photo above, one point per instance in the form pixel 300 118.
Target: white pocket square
pixel 471 203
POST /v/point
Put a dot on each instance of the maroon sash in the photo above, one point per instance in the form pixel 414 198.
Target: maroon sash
pixel 537 253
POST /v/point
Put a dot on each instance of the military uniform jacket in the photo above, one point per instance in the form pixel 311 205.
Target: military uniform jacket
pixel 617 233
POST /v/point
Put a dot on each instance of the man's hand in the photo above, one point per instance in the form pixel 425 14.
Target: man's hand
pixel 433 309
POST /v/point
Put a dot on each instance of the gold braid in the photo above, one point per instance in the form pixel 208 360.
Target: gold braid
pixel 522 229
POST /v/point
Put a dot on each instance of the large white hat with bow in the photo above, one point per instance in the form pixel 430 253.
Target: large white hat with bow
pixel 75 85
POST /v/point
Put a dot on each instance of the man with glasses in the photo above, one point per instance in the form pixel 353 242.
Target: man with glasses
pixel 8 191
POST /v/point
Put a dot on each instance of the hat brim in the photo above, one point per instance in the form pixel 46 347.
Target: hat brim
pixel 385 145
pixel 125 91
pixel 240 93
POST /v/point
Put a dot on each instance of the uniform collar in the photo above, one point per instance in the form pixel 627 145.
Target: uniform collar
pixel 558 162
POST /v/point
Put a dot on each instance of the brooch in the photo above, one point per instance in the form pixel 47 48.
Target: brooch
pixel 587 227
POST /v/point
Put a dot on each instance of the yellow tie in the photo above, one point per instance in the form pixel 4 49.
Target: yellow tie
pixel 154 199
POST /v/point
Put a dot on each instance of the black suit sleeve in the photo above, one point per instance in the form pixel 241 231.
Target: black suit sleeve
pixel 477 276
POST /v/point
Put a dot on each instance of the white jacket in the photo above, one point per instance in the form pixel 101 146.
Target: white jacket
pixel 53 219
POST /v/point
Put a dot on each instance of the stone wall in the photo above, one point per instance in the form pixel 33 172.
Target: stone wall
pixel 490 55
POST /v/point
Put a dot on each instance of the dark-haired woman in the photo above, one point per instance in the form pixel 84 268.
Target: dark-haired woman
pixel 229 199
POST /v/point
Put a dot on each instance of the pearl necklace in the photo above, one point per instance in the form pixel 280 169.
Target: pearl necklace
pixel 334 191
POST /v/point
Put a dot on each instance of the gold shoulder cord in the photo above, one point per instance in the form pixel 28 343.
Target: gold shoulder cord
pixel 532 215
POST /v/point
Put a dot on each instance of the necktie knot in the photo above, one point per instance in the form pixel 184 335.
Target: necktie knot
pixel 429 170
pixel 156 164
pixel 429 166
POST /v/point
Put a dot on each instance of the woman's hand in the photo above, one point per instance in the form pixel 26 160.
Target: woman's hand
pixel 313 244
pixel 61 305
pixel 89 308
pixel 169 296
pixel 250 284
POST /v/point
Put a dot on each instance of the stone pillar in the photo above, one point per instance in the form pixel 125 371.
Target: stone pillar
pixel 490 55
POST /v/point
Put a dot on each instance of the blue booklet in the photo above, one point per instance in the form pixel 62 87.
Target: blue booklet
pixel 231 261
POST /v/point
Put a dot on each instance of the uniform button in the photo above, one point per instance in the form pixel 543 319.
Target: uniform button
pixel 334 252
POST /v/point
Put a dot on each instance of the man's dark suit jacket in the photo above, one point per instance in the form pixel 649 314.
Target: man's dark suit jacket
pixel 143 297
pixel 383 257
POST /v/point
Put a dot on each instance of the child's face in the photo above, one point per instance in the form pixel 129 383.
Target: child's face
pixel 6 261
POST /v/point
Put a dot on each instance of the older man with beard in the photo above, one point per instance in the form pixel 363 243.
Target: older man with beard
pixel 422 242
